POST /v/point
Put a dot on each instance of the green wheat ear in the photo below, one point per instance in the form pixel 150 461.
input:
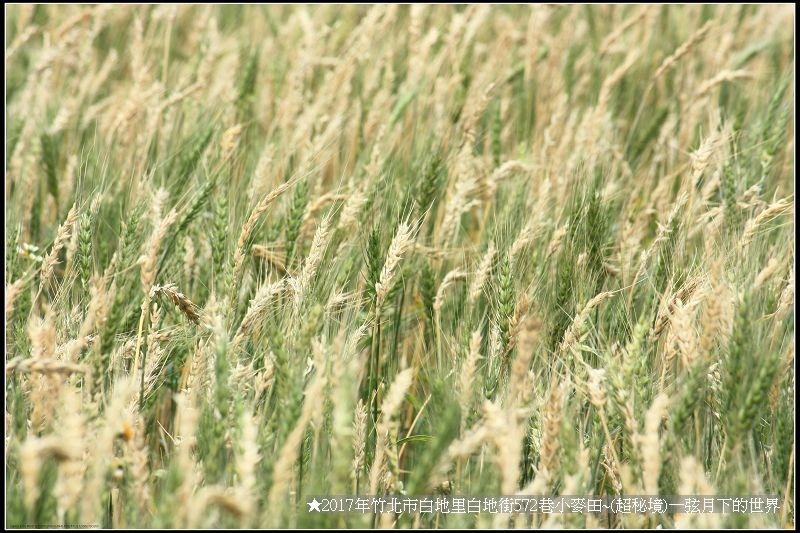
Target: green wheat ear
pixel 85 260
pixel 506 301
pixel 220 230
pixel 373 259
pixel 427 288
pixel 294 219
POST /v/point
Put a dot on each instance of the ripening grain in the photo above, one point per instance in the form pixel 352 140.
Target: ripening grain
pixel 257 254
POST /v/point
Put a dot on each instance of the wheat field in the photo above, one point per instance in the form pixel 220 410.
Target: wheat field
pixel 258 253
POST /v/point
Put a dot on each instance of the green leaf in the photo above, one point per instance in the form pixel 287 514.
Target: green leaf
pixel 415 438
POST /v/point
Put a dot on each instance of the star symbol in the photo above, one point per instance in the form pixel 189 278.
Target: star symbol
pixel 313 505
